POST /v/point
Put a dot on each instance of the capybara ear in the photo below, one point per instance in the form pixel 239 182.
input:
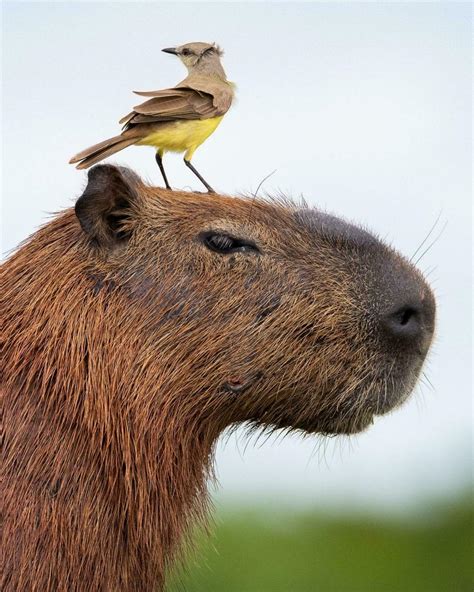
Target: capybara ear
pixel 105 208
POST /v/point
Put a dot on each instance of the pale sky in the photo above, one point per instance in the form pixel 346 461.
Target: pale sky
pixel 363 108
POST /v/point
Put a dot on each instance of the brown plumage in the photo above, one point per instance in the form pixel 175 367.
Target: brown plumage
pixel 137 328
pixel 204 95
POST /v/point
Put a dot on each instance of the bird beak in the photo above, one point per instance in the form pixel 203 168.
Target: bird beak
pixel 170 50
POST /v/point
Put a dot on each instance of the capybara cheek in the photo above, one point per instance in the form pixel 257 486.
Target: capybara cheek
pixel 268 308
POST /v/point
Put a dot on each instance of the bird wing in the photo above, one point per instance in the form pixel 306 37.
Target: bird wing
pixel 171 105
pixel 199 98
pixel 222 91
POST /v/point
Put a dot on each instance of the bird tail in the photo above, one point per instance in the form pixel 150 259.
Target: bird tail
pixel 99 151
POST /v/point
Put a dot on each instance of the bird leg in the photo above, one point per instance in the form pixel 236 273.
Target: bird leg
pixel 159 162
pixel 203 181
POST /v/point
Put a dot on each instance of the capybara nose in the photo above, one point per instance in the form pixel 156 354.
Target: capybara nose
pixel 410 323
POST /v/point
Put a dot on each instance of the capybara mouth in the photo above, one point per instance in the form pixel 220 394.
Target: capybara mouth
pixel 349 421
pixel 353 411
pixel 379 397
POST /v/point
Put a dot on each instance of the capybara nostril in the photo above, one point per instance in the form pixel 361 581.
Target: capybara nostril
pixel 404 322
pixel 410 325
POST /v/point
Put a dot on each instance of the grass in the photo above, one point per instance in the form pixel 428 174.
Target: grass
pixel 308 552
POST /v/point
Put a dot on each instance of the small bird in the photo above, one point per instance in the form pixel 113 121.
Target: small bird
pixel 177 119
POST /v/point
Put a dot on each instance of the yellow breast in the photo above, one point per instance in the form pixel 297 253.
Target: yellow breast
pixel 181 136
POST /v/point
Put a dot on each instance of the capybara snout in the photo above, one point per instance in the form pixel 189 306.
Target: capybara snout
pixel 393 309
pixel 282 315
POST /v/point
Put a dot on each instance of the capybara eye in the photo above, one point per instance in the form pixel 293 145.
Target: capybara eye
pixel 225 244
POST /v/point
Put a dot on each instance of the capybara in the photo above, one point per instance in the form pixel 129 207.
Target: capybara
pixel 139 325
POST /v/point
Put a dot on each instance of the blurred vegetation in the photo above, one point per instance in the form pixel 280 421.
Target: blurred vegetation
pixel 311 552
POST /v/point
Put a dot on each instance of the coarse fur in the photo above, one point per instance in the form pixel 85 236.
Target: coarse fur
pixel 128 346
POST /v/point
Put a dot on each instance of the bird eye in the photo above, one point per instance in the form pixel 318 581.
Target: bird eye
pixel 226 244
pixel 186 52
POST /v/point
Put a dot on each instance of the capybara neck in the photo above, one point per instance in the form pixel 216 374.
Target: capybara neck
pixel 117 480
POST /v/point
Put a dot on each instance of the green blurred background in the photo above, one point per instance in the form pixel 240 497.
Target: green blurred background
pixel 428 550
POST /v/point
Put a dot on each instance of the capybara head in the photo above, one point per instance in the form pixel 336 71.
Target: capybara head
pixel 260 311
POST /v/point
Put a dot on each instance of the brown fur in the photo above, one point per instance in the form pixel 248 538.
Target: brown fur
pixel 127 347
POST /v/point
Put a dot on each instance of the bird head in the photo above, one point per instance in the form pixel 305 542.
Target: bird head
pixel 197 54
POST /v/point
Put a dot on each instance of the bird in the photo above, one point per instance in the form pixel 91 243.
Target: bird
pixel 177 119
